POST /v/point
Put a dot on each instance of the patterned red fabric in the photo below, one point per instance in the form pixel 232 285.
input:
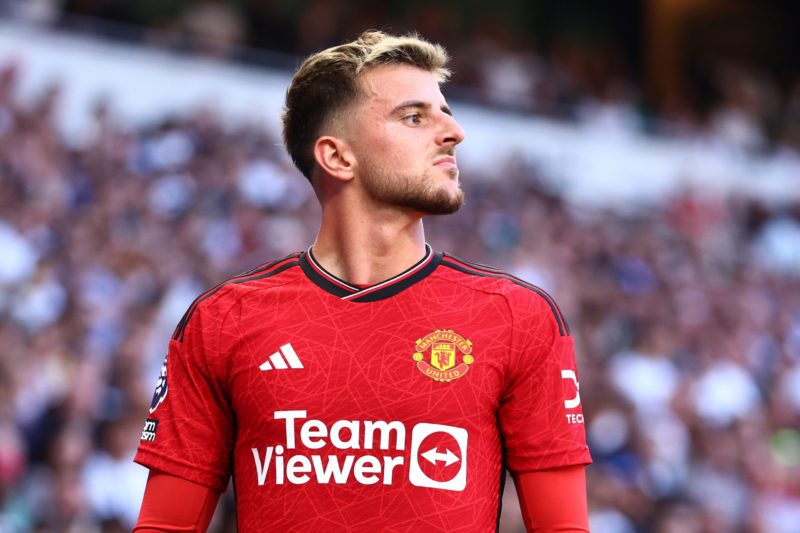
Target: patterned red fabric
pixel 339 407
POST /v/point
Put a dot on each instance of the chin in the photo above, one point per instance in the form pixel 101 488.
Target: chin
pixel 445 203
pixel 450 172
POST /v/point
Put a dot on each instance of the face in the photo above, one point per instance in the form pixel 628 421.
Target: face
pixel 405 141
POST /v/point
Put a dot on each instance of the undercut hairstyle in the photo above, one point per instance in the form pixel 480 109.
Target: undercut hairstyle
pixel 328 83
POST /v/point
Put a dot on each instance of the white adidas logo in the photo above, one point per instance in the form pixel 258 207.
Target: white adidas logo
pixel 282 359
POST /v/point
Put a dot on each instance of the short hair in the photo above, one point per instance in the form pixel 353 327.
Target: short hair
pixel 327 82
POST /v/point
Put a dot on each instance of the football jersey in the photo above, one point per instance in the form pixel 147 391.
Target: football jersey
pixel 393 407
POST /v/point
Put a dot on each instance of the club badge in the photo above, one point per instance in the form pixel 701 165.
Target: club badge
pixel 443 348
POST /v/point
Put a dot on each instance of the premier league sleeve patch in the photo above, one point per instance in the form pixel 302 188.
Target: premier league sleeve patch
pixel 161 388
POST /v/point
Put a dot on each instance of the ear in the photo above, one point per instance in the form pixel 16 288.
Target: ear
pixel 335 157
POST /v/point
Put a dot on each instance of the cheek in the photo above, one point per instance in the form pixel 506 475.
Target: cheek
pixel 389 145
pixel 375 139
pixel 401 146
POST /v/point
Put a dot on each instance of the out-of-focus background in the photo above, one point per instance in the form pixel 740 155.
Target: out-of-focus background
pixel 638 159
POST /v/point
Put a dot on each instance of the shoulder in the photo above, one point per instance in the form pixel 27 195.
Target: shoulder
pixel 219 299
pixel 524 298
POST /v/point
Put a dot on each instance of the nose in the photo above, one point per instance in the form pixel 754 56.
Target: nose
pixel 451 132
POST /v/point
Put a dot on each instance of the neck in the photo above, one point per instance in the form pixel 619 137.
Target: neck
pixel 365 247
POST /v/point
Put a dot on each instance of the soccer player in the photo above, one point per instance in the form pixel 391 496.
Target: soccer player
pixel 369 383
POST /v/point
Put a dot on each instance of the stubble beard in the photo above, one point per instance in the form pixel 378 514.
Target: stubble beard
pixel 416 193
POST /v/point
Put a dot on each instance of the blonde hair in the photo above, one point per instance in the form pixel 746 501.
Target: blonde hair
pixel 327 82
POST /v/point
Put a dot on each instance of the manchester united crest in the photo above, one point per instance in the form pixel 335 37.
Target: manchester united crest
pixel 443 348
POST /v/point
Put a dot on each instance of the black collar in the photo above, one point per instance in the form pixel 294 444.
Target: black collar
pixel 346 291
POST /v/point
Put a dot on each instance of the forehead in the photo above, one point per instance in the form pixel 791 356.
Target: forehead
pixel 388 85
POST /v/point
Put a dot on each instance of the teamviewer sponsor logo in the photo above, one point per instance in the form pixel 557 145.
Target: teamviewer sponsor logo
pixel 438 453
pixel 282 359
pixel 439 439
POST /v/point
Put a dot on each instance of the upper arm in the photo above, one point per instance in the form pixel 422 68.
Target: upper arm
pixel 189 428
pixel 554 500
pixel 540 414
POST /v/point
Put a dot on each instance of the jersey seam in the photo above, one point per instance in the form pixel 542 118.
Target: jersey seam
pixel 248 290
pixel 556 334
pixel 519 281
pixel 495 273
pixel 509 344
pixel 215 290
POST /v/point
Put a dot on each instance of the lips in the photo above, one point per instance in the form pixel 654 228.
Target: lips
pixel 446 161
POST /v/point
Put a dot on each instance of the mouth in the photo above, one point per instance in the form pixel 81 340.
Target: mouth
pixel 447 161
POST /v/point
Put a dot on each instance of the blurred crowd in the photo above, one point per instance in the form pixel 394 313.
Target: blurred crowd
pixel 583 70
pixel 687 318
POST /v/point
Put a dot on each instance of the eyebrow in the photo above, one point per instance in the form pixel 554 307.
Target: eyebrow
pixel 418 104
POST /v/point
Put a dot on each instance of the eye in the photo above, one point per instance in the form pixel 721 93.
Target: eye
pixel 412 119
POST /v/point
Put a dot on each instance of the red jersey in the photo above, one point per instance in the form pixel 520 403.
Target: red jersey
pixel 392 407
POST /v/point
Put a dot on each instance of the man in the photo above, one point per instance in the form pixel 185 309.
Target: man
pixel 369 383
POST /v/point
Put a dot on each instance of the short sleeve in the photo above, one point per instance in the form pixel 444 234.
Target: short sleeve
pixel 189 429
pixel 540 413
